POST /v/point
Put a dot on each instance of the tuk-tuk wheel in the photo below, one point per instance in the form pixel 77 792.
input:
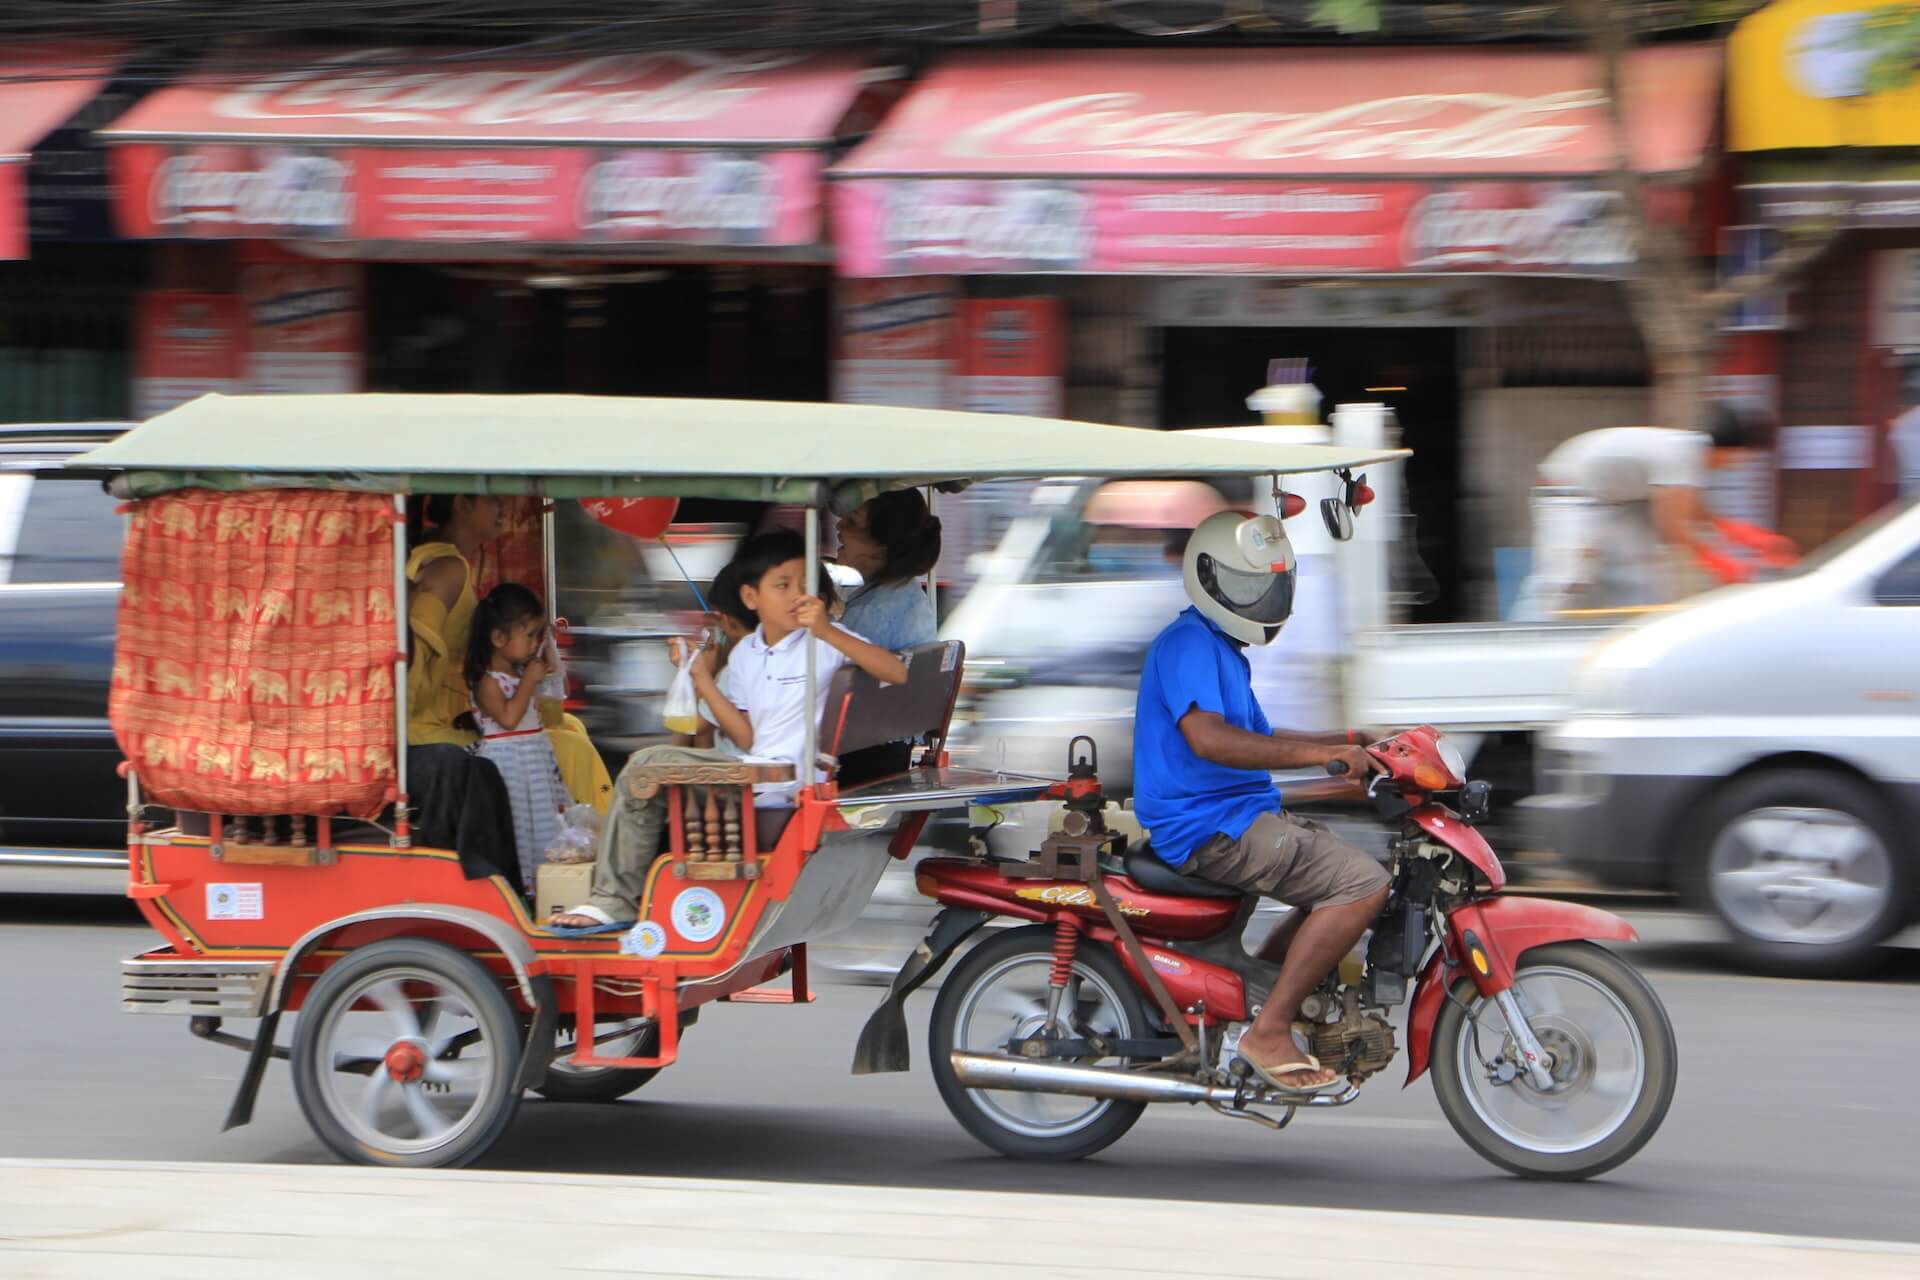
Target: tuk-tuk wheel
pixel 568 1083
pixel 407 1052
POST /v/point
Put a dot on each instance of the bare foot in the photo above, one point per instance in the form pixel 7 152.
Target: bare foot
pixel 575 920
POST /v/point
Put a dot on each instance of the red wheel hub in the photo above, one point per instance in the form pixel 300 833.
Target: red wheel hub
pixel 406 1062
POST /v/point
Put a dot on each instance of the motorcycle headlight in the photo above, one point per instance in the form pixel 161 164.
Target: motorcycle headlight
pixel 1450 756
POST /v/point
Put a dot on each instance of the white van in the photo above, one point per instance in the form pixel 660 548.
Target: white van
pixel 1759 750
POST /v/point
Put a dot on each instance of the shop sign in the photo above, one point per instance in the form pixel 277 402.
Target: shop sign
pixel 469 195
pixel 1746 251
pixel 186 345
pixel 227 191
pixel 69 197
pixel 1811 75
pixel 1330 304
pixel 1896 299
pixel 1012 356
pixel 1498 225
pixel 1825 448
pixel 896 342
pixel 1020 226
pixel 973 226
pixel 1394 129
pixel 719 197
pixel 1823 205
pixel 378 91
pixel 304 326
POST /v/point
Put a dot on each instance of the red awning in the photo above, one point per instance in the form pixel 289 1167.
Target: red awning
pixel 414 145
pixel 41 86
pixel 1264 160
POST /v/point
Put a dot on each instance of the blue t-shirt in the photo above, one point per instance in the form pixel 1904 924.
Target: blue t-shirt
pixel 896 616
pixel 1184 800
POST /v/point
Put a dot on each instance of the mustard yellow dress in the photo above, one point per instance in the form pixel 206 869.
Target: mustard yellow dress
pixel 437 692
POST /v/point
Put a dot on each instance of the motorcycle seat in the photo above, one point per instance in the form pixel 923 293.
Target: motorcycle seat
pixel 1144 867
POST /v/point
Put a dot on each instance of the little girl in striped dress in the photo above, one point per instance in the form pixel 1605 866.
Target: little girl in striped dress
pixel 506 660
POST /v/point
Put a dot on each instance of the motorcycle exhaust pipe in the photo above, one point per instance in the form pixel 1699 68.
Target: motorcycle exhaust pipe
pixel 1026 1075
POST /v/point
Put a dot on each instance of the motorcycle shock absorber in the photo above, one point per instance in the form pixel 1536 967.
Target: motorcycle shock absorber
pixel 1066 944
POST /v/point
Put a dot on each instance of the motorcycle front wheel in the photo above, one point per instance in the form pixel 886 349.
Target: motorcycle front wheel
pixel 1614 1064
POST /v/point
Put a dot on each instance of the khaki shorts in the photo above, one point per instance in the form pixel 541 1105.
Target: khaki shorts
pixel 1299 862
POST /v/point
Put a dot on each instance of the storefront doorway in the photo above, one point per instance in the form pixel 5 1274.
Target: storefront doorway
pixel 758 332
pixel 1209 372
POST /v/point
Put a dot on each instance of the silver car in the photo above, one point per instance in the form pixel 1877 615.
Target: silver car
pixel 1759 751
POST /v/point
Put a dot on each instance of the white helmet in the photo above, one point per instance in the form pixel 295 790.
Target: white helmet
pixel 1239 570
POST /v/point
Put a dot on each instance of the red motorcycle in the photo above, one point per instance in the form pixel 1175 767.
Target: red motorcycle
pixel 1551 1056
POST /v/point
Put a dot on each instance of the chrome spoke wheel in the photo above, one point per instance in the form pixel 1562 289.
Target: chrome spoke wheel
pixel 413 1068
pixel 407 1052
pixel 1597 1060
pixel 1009 1002
pixel 1800 875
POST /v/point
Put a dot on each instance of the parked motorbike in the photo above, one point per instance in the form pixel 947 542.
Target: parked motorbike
pixel 1129 984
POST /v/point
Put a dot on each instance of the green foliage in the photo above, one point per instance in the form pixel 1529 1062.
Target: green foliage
pixel 1348 17
pixel 1892 35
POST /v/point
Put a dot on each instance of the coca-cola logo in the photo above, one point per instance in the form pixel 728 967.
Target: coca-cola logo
pixel 1563 229
pixel 1041 224
pixel 1412 128
pixel 722 193
pixel 290 192
pixel 370 86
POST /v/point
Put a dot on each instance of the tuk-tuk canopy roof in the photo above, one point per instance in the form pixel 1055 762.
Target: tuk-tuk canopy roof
pixel 599 446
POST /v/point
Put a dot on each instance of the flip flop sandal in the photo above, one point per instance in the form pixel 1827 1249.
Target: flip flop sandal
pixel 585 930
pixel 1272 1076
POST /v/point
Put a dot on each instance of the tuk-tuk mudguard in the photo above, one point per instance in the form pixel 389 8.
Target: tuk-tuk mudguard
pixel 883 1041
pixel 1506 929
pixel 535 988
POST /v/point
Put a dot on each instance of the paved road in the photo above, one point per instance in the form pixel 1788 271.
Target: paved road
pixel 1794 1114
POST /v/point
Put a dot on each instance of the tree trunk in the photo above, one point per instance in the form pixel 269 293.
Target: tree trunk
pixel 1679 397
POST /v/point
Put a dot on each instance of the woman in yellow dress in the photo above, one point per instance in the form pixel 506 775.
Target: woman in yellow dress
pixel 440 610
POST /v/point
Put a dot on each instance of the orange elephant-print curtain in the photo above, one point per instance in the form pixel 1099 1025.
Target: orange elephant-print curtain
pixel 253 669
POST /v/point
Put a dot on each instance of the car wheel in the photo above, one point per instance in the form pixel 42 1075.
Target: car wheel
pixel 1804 867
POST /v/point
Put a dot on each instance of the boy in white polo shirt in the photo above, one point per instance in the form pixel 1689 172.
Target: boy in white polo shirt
pixel 759 702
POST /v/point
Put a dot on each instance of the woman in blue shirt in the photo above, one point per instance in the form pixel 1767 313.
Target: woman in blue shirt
pixel 893 541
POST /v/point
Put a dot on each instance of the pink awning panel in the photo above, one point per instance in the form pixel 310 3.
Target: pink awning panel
pixel 1271 113
pixel 41 86
pixel 1257 161
pixel 394 144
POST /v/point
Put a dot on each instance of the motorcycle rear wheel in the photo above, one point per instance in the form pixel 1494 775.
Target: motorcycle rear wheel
pixel 1615 1065
pixel 1000 991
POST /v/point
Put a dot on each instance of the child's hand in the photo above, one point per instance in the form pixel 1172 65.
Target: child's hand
pixel 537 669
pixel 811 613
pixel 703 662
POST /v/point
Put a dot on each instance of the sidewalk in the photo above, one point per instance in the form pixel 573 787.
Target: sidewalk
pixel 100 1221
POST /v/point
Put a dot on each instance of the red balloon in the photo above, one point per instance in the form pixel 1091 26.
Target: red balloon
pixel 645 518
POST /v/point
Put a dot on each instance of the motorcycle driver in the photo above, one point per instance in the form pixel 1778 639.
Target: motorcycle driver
pixel 1203 754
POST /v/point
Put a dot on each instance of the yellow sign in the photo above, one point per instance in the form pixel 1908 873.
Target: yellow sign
pixel 1813 74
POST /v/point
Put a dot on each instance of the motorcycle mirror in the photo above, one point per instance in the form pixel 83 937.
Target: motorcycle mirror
pixel 1338 518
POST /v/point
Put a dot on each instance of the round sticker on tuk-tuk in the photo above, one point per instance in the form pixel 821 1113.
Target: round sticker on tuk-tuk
pixel 699 915
pixel 646 940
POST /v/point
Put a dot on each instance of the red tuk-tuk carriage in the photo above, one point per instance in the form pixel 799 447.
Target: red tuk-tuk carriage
pixel 260 695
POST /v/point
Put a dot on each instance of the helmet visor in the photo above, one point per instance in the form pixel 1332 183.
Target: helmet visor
pixel 1265 596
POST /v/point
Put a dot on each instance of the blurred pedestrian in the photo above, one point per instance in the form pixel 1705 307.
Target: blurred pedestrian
pixel 1620 516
